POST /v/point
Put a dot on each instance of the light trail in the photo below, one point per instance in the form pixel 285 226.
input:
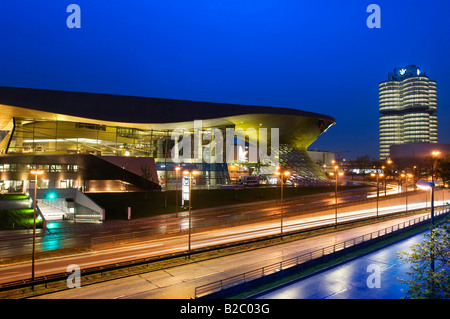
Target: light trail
pixel 200 239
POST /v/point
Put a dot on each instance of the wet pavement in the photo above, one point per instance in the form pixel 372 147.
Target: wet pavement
pixel 372 276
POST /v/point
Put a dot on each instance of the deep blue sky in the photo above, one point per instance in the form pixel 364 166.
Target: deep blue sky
pixel 314 55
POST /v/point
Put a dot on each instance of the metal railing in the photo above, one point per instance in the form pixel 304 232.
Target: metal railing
pixel 229 282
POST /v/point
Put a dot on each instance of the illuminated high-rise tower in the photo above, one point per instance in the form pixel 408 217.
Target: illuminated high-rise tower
pixel 407 104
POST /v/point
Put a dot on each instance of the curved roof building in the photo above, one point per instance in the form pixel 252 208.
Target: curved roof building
pixel 37 122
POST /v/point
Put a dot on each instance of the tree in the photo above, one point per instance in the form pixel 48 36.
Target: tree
pixel 429 275
pixel 146 172
pixel 363 163
pixel 443 169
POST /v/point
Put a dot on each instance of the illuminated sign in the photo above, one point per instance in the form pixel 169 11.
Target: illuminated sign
pixel 185 189
pixel 402 72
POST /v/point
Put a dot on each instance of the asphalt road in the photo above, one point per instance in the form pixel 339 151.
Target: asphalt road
pixel 68 234
pixel 180 282
pixel 349 280
pixel 161 246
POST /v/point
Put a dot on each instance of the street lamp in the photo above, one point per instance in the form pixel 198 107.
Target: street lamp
pixel 389 162
pixel 282 174
pixel 190 174
pixel 404 176
pixel 428 186
pixel 443 193
pixel 177 169
pixel 34 172
pixel 435 154
pixel 414 177
pixel 336 174
pixel 406 189
pixel 378 186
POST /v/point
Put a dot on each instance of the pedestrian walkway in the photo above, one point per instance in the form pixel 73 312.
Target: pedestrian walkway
pixel 51 213
pixel 355 279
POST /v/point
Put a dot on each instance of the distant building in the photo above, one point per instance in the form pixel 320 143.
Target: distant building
pixel 322 158
pixel 407 104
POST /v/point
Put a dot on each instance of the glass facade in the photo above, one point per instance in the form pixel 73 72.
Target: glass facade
pixel 210 175
pixel 303 168
pixel 407 103
pixel 36 136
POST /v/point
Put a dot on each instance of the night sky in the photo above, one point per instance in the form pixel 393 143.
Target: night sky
pixel 314 55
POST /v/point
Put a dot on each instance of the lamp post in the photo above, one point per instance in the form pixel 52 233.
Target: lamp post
pixel 400 182
pixel 443 193
pixel 406 189
pixel 336 174
pixel 414 177
pixel 177 169
pixel 378 187
pixel 282 174
pixel 435 155
pixel 428 186
pixel 405 177
pixel 190 174
pixel 389 162
pixel 35 172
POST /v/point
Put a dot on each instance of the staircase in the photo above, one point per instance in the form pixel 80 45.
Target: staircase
pixel 51 213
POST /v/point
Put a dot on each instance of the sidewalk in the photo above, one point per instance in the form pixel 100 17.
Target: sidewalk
pixel 349 280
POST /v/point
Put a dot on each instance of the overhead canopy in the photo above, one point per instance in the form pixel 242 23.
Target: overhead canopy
pixel 297 127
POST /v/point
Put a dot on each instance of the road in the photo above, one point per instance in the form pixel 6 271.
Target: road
pixel 349 280
pixel 180 282
pixel 68 234
pixel 179 243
